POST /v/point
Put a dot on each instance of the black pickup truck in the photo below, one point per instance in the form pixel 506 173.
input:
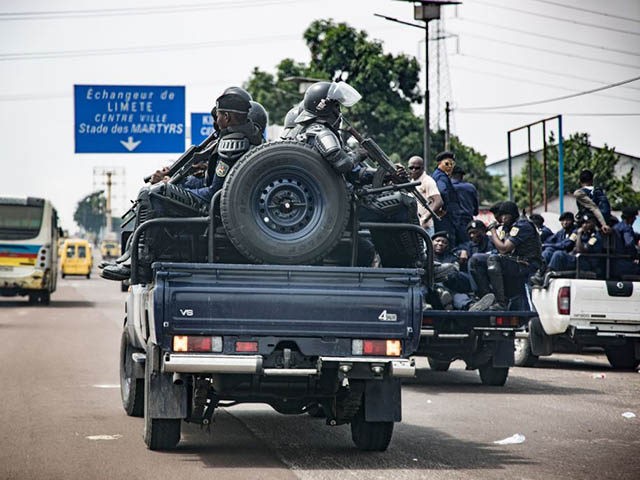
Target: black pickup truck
pixel 276 325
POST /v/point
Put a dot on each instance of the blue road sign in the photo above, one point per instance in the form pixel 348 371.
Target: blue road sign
pixel 201 127
pixel 129 119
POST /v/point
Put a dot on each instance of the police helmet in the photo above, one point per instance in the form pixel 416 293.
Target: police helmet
pixel 509 208
pixel 476 225
pixel 258 115
pixel 315 104
pixel 292 114
pixel 238 91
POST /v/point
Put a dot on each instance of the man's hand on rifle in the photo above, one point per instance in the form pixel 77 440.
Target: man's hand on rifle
pixel 159 176
pixel 401 172
pixel 199 169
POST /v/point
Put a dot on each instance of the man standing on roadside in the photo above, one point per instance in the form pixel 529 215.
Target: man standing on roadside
pixel 429 191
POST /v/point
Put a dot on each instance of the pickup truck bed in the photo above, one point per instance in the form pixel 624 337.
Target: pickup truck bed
pixel 334 340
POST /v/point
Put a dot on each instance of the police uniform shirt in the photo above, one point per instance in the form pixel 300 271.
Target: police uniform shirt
pixel 524 236
pixel 447 192
pixel 561 240
pixel 485 246
pixel 628 237
pixel 592 242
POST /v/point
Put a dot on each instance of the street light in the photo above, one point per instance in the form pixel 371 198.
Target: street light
pixel 427 10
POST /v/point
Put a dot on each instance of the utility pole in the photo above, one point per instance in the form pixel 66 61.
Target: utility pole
pixel 427 10
pixel 105 176
pixel 447 112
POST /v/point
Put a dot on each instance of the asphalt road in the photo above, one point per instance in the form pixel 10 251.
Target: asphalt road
pixel 61 416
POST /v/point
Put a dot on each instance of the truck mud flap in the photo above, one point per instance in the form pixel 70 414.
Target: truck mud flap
pixel 383 402
pixel 164 399
pixel 541 343
pixel 503 355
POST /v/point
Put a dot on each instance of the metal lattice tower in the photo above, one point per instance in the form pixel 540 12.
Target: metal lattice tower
pixel 439 79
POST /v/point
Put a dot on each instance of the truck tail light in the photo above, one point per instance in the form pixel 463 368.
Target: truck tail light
pixel 246 347
pixel 427 321
pixel 564 301
pixel 187 343
pixel 390 348
pixel 506 321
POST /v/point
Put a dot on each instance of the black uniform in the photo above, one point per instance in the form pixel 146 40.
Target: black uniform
pixel 508 273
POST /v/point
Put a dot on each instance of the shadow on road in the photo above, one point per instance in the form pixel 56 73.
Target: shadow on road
pixel 463 381
pixel 53 304
pixel 305 443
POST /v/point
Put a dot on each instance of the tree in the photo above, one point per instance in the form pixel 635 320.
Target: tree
pixel 389 87
pixel 578 155
pixel 90 212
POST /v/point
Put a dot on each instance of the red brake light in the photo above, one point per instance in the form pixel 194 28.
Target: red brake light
pixel 564 301
pixel 382 347
pixel 246 347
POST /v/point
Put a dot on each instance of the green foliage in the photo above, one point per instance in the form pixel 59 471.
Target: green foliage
pixel 389 85
pixel 90 212
pixel 578 156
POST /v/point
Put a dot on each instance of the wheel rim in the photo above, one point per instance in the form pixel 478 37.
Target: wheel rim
pixel 287 204
pixel 125 373
pixel 519 347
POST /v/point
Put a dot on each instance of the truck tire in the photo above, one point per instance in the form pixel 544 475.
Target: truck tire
pixel 493 376
pixel 370 436
pixel 45 298
pixel 131 388
pixel 159 433
pixel 522 355
pixel 622 357
pixel 282 203
pixel 438 365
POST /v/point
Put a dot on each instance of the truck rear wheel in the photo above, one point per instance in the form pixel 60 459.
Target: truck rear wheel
pixel 493 376
pixel 282 203
pixel 159 433
pixel 131 388
pixel 438 365
pixel 622 357
pixel 522 355
pixel 370 436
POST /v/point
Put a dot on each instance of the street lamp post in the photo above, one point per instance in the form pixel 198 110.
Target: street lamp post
pixel 427 10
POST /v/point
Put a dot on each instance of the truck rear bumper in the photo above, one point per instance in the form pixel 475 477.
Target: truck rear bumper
pixel 252 364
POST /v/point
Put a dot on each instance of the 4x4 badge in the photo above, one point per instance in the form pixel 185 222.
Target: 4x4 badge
pixel 388 317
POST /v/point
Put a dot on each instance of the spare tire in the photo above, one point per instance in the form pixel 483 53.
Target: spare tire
pixel 282 203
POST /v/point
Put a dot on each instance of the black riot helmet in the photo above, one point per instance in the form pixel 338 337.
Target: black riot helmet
pixel 238 91
pixel 316 105
pixel 259 116
pixel 292 114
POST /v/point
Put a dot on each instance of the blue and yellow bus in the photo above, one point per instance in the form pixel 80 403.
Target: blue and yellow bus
pixel 28 248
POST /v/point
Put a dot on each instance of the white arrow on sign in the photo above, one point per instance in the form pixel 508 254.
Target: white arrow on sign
pixel 130 144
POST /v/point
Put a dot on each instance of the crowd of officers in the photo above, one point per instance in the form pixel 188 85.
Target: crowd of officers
pixel 478 266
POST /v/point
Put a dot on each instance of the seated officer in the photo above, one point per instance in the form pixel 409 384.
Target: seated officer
pixel 561 240
pixel 519 256
pixel 478 244
pixel 627 242
pixel 587 240
pixel 237 134
pixel 455 282
pixel 544 231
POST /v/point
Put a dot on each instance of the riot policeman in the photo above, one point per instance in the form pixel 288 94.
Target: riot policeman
pixel 519 256
pixel 317 125
pixel 237 134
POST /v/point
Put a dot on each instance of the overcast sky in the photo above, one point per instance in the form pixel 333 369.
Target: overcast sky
pixel 500 53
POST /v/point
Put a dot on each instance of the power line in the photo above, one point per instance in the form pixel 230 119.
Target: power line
pixel 159 9
pixel 576 22
pixel 141 49
pixel 571 55
pixel 559 39
pixel 580 9
pixel 565 97
pixel 533 82
pixel 542 70
pixel 598 114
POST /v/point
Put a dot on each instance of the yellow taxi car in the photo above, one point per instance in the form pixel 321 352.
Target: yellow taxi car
pixel 109 249
pixel 76 258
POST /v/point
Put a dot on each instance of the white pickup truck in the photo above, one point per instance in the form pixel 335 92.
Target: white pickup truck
pixel 586 312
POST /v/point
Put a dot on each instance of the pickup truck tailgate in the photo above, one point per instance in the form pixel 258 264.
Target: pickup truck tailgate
pixel 287 301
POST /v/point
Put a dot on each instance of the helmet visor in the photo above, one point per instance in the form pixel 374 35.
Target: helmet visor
pixel 343 93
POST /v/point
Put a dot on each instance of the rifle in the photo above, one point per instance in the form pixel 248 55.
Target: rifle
pixel 177 171
pixel 377 154
pixel 182 166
